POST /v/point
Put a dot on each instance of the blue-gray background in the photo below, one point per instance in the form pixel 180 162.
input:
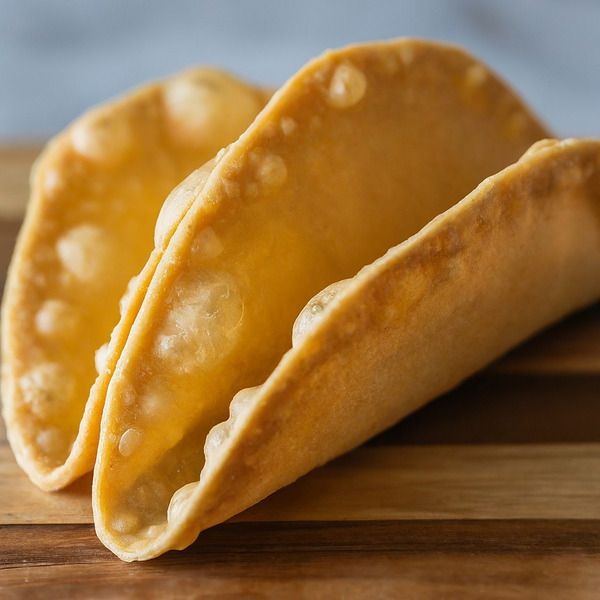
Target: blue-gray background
pixel 57 57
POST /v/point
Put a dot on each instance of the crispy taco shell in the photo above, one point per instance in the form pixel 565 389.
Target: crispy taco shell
pixel 356 153
pixel 517 254
pixel 96 192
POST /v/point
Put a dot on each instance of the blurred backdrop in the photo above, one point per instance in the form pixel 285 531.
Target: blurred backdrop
pixel 58 57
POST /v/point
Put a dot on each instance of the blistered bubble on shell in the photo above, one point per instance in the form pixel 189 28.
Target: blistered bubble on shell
pixel 179 500
pixel 242 401
pixel 153 531
pixel 151 404
pixel 178 202
pixel 56 318
pixel 220 154
pixel 206 245
pixel 103 138
pixel 207 106
pixel 205 308
pixel 216 437
pixel 538 147
pixel 347 87
pixel 313 312
pixel 475 76
pixel 287 125
pixel 232 188
pixel 52 182
pixel 46 388
pixel 407 55
pixel 128 395
pixel 86 252
pixel 100 357
pixel 566 142
pixel 130 441
pixel 240 404
pixel 126 522
pixel 51 441
pixel 128 293
pixel 271 170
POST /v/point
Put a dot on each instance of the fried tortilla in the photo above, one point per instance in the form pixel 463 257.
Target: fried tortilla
pixel 356 153
pixel 96 193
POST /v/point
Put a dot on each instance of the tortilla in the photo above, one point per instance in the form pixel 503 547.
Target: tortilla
pixel 96 193
pixel 517 254
pixel 354 154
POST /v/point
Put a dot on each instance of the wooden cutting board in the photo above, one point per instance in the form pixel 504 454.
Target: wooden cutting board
pixel 492 491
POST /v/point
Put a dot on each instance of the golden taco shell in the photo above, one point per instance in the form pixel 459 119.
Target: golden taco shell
pixel 518 253
pixel 354 154
pixel 96 192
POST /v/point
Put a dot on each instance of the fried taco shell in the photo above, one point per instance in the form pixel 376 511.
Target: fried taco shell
pixel 96 192
pixel 356 153
pixel 518 253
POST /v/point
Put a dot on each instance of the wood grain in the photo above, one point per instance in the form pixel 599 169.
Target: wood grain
pixel 15 165
pixel 571 347
pixel 400 483
pixel 380 559
pixel 493 408
pixel 488 492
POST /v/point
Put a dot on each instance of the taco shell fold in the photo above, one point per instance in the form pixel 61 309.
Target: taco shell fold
pixel 357 153
pixel 96 191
